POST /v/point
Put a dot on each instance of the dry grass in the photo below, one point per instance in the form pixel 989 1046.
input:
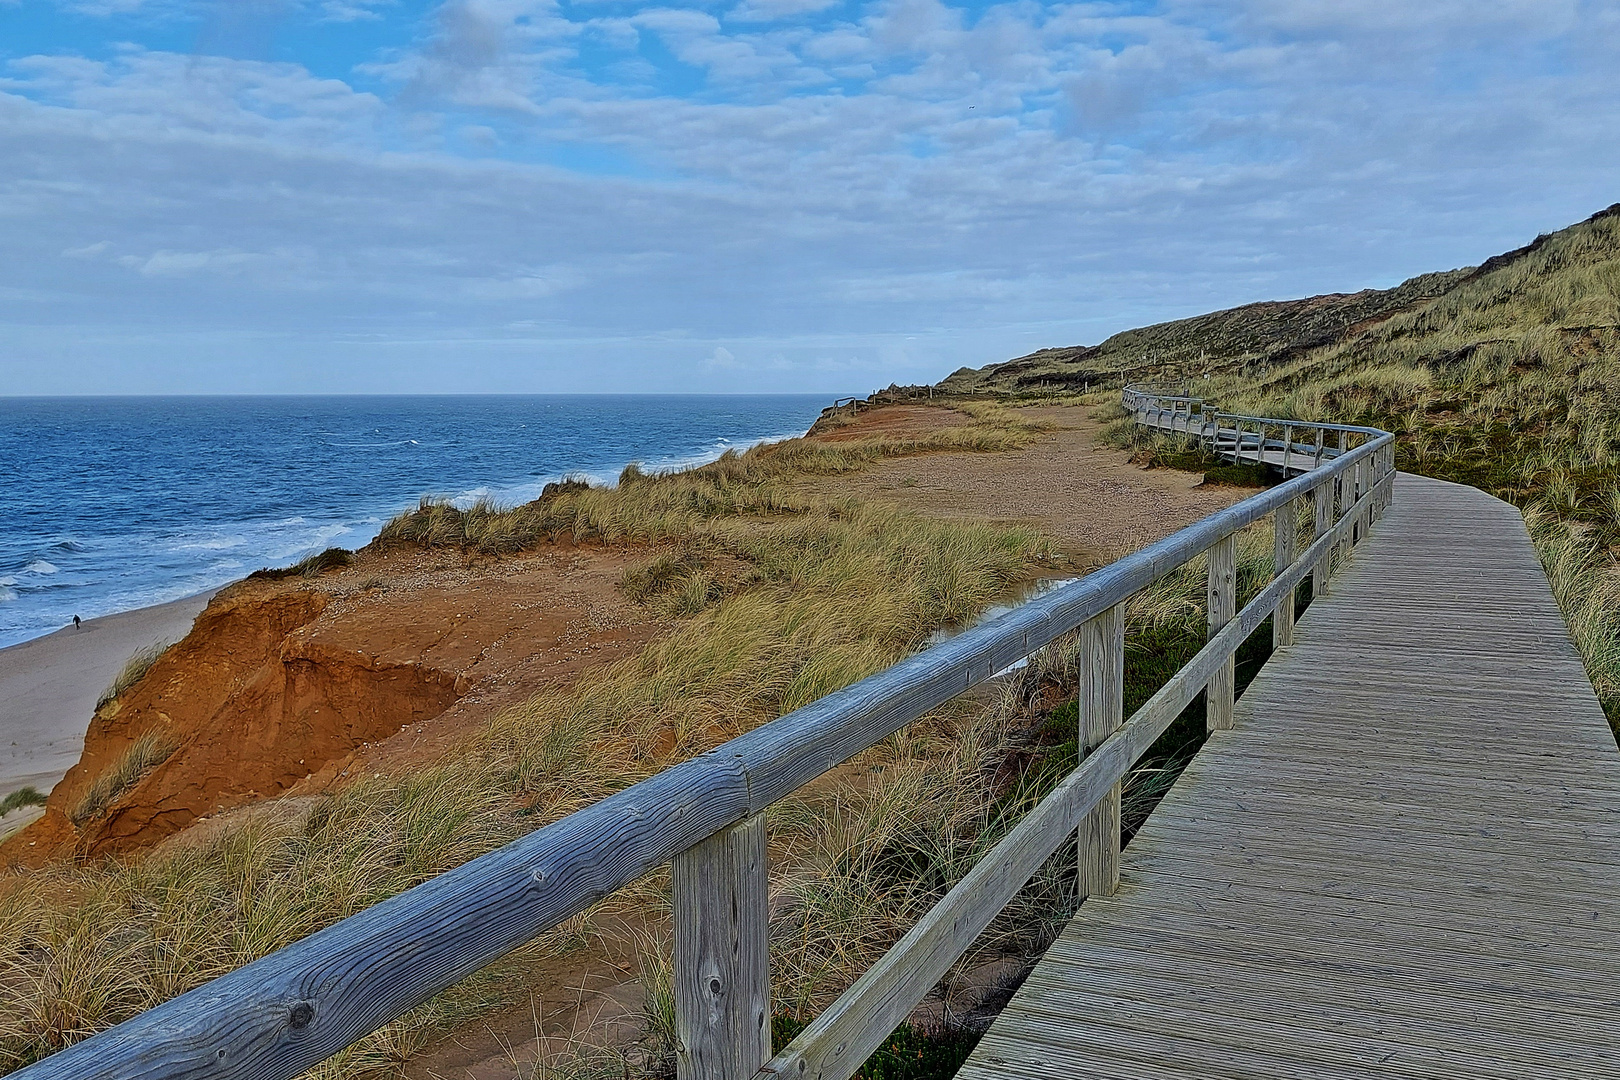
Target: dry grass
pixel 650 508
pixel 134 669
pixel 1506 379
pixel 1586 581
pixel 814 594
pixel 147 752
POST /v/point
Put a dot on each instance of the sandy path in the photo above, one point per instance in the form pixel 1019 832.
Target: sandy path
pixel 49 687
pixel 1083 494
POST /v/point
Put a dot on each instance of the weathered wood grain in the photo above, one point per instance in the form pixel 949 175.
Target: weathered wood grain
pixel 1222 602
pixel 1285 532
pixel 1403 861
pixel 837 1042
pixel 1101 708
pixel 279 1016
pixel 1322 503
pixel 722 986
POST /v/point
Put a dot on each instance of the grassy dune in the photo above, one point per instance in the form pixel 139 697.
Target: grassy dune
pixel 1505 376
pixel 778 598
pixel 1510 381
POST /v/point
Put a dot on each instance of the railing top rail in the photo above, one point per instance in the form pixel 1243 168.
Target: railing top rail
pixel 280 1015
pixel 1280 422
pixel 1277 421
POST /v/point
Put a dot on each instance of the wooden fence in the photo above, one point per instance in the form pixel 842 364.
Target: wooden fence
pixel 280 1015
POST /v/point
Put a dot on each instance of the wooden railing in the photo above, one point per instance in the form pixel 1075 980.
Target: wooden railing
pixel 278 1016
pixel 1239 438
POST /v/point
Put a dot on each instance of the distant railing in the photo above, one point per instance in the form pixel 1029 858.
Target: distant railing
pixel 1239 438
pixel 280 1015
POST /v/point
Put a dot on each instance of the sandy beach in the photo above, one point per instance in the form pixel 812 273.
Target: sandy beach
pixel 49 687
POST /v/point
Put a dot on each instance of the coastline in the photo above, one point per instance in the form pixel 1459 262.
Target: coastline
pixel 49 686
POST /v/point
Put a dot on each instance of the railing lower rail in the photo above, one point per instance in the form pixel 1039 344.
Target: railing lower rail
pixel 280 1015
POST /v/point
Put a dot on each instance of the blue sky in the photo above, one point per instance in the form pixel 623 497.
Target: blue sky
pixel 750 195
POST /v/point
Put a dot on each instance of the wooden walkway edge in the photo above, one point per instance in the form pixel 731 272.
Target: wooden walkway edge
pixel 1404 861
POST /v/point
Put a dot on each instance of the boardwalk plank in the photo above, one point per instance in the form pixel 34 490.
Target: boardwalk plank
pixel 1404 860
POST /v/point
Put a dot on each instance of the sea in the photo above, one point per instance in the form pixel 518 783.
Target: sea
pixel 114 503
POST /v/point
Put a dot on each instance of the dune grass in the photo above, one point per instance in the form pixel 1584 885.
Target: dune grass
pixel 147 752
pixel 787 599
pixel 650 508
pixel 311 566
pixel 134 669
pixel 1504 378
pixel 23 796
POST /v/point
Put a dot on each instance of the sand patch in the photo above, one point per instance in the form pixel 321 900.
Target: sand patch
pixel 293 686
pixel 1088 496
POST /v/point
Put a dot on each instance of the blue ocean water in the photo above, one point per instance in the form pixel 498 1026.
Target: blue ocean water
pixel 117 503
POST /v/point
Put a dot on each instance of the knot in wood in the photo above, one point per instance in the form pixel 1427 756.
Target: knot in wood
pixel 301 1015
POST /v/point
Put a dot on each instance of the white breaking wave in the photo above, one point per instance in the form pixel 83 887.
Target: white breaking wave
pixel 517 494
pixel 40 566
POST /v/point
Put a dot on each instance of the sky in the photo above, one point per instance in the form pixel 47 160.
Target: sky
pixel 337 196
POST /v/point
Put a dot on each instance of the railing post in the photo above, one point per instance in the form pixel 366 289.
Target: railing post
pixel 1102 710
pixel 1323 503
pixel 1218 693
pixel 1363 497
pixel 1288 448
pixel 722 958
pixel 1285 524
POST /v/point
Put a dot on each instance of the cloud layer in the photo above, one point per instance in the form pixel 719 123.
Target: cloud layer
pixel 332 195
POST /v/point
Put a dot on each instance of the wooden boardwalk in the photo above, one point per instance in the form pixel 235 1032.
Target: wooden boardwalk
pixel 1403 862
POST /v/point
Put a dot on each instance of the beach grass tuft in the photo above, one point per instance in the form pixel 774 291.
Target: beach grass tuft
pixel 312 566
pixel 776 598
pixel 23 796
pixel 134 669
pixel 145 753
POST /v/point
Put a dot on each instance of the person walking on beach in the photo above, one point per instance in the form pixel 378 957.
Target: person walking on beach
pixel 75 622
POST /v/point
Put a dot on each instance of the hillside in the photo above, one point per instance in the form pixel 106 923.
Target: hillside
pixel 1266 332
pixel 1505 376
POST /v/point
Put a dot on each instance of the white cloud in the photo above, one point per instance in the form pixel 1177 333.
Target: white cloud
pixel 773 10
pixel 755 195
pixel 184 263
pixel 88 251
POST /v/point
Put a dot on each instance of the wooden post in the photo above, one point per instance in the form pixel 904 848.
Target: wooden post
pixel 722 958
pixel 1323 495
pixel 1218 692
pixel 1363 497
pixel 1102 710
pixel 1288 448
pixel 1285 523
pixel 1318 448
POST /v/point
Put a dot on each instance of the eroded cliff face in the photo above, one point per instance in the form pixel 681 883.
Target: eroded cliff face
pixel 291 686
pixel 254 700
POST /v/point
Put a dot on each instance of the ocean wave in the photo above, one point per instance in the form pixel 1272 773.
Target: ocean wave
pixel 222 543
pixel 204 537
pixel 7 594
pixel 518 494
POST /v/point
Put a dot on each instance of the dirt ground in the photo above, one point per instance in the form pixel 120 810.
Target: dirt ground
pixel 292 687
pixel 451 639
pixel 1089 497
